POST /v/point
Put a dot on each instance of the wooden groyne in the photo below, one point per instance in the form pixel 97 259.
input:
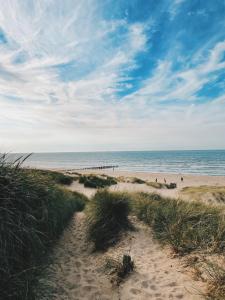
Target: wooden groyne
pixel 96 168
pixel 99 167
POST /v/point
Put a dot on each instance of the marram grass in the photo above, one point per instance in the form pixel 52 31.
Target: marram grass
pixel 33 213
pixel 107 216
pixel 186 226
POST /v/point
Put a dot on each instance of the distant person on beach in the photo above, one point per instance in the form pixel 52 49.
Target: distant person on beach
pixel 182 179
pixel 156 180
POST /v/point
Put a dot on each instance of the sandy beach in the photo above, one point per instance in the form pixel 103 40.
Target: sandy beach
pixel 188 181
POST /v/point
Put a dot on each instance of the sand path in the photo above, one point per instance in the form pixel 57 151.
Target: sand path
pixel 76 273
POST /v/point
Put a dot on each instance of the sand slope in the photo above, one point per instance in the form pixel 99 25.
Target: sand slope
pixel 76 273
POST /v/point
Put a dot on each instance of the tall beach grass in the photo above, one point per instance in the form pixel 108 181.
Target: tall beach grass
pixel 107 217
pixel 186 226
pixel 33 213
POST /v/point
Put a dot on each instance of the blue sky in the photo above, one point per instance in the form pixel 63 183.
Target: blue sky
pixel 93 75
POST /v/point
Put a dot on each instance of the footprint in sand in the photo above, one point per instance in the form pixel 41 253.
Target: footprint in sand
pixel 145 284
pixel 135 291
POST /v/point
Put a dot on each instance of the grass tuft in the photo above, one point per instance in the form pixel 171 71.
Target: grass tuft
pixel 107 217
pixel 94 181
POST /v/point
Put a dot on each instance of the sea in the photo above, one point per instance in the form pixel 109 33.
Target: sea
pixel 206 162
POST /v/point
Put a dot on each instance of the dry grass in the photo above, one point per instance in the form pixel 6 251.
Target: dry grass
pixel 214 194
pixel 119 269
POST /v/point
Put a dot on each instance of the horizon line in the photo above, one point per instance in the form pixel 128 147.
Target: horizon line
pixel 110 151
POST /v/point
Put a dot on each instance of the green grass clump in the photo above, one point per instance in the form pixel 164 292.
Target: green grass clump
pixel 187 226
pixel 107 217
pixel 171 185
pixel 93 181
pixel 56 177
pixel 33 213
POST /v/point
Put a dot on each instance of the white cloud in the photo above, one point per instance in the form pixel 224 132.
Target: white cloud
pixel 51 34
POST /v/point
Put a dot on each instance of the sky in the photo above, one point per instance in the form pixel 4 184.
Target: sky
pixel 105 75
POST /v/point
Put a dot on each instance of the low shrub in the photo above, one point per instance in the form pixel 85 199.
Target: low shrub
pixel 56 177
pixel 187 226
pixel 171 185
pixel 107 217
pixel 93 181
pixel 33 213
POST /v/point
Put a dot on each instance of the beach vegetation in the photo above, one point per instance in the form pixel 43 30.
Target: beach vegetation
pixel 186 226
pixel 205 192
pixel 215 275
pixel 33 213
pixel 56 177
pixel 97 181
pixel 107 217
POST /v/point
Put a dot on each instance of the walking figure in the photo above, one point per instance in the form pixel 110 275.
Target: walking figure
pixel 156 180
pixel 182 179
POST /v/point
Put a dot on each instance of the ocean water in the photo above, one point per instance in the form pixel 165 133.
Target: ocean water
pixel 208 162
